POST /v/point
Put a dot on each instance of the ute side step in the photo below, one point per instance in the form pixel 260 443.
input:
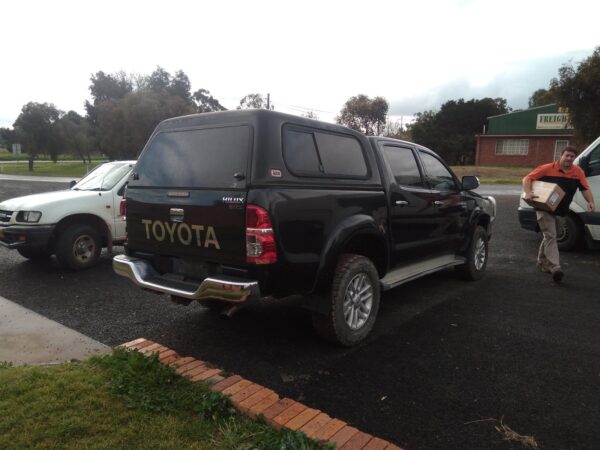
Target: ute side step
pixel 411 272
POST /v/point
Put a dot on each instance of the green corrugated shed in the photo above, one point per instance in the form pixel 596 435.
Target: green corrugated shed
pixel 524 122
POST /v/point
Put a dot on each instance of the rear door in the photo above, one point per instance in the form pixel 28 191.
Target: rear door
pixel 187 194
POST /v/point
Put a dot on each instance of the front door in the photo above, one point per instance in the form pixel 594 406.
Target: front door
pixel 592 219
pixel 450 206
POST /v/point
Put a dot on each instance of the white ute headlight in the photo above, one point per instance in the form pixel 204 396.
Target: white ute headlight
pixel 29 216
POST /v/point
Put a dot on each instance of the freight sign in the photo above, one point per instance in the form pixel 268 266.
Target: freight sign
pixel 554 121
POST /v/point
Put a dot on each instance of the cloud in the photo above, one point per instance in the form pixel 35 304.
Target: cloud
pixel 516 84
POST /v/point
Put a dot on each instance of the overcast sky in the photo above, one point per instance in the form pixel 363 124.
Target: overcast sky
pixel 307 55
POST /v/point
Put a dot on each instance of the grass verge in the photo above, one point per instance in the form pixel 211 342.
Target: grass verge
pixel 5 155
pixel 125 400
pixel 493 175
pixel 486 174
pixel 75 170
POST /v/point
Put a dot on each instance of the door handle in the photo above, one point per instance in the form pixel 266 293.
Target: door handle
pixel 401 203
pixel 438 203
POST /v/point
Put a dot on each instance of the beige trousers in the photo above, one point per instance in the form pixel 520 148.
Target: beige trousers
pixel 548 253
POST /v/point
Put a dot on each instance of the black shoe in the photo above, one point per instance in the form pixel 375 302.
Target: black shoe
pixel 557 275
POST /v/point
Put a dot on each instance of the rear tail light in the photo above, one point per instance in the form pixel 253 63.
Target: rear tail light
pixel 123 212
pixel 123 207
pixel 260 239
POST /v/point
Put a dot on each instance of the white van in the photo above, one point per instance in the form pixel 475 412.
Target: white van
pixel 580 225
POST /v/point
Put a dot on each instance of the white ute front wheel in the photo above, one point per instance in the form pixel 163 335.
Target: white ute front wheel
pixel 78 247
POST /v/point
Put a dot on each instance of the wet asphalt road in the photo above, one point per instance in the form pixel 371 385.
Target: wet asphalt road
pixel 445 356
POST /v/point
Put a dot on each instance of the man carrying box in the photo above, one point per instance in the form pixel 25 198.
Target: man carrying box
pixel 570 178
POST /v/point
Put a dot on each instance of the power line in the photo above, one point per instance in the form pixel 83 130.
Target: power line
pixel 304 108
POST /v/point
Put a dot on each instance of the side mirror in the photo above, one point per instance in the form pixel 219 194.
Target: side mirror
pixel 72 183
pixel 469 183
pixel 584 163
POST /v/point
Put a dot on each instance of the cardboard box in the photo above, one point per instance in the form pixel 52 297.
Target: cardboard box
pixel 547 196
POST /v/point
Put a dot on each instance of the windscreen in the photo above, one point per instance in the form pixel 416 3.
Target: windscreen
pixel 196 158
pixel 103 178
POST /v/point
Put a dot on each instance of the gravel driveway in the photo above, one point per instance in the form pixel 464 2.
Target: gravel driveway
pixel 447 361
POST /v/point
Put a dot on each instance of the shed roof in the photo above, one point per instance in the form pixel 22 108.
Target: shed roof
pixel 547 119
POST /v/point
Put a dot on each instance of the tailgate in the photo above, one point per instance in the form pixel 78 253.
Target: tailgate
pixel 207 224
pixel 187 194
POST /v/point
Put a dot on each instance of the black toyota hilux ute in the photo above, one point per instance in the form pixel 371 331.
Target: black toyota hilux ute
pixel 230 207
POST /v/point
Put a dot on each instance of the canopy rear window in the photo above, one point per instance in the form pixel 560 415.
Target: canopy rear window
pixel 315 153
pixel 196 158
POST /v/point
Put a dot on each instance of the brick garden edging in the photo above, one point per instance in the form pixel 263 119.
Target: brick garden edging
pixel 253 399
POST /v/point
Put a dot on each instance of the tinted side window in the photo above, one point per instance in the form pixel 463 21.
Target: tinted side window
pixel 438 175
pixel 404 165
pixel 309 152
pixel 594 162
pixel 341 155
pixel 300 153
pixel 195 158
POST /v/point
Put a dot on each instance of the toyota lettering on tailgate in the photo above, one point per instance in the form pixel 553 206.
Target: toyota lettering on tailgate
pixel 198 235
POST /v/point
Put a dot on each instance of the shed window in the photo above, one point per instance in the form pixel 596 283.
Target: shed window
pixel 512 146
pixel 558 148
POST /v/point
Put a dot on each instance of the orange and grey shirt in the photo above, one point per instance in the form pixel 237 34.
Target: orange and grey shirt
pixel 569 181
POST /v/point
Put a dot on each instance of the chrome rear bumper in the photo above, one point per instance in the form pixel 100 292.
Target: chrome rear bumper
pixel 222 287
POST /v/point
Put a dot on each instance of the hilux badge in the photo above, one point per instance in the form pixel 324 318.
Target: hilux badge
pixel 234 200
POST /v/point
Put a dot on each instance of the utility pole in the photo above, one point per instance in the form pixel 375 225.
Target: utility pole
pixel 269 102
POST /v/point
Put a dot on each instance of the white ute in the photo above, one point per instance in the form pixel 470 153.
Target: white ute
pixel 73 224
pixel 580 225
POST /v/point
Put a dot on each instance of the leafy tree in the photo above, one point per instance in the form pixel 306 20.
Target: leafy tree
pixel 578 89
pixel 159 80
pixel 256 101
pixel 104 88
pixel 451 131
pixel 124 126
pixel 38 131
pixel 310 115
pixel 180 86
pixel 109 87
pixel 75 135
pixel 542 97
pixel 205 102
pixel 8 136
pixel 363 114
pixel 123 117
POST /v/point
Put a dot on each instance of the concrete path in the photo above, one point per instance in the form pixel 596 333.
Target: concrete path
pixel 29 338
pixel 499 189
pixel 36 178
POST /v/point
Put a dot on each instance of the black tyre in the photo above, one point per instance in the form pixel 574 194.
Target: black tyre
pixel 477 256
pixel 353 302
pixel 215 306
pixel 78 247
pixel 568 234
pixel 34 253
